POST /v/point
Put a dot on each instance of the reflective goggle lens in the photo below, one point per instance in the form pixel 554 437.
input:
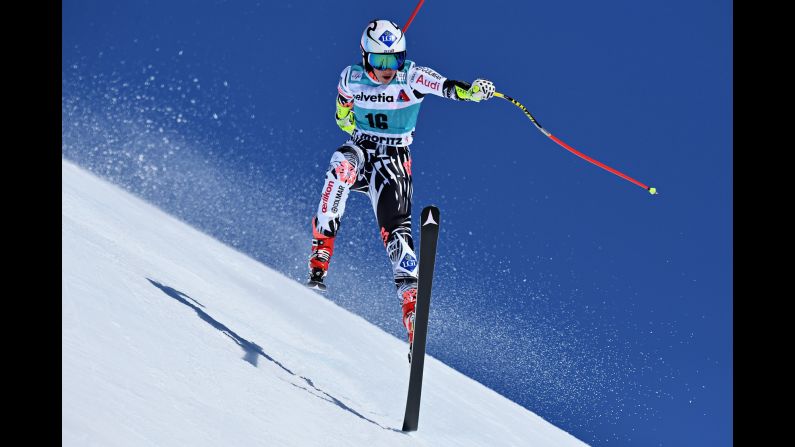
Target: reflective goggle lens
pixel 392 61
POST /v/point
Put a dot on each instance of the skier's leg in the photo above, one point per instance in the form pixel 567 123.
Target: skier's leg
pixel 391 196
pixel 344 168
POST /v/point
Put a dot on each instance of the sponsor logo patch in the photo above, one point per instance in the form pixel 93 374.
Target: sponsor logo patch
pixel 387 38
pixel 403 97
pixel 408 262
pixel 356 76
pixel 337 198
pixel 326 195
pixel 430 72
pixel 389 141
pixel 428 83
pixel 374 98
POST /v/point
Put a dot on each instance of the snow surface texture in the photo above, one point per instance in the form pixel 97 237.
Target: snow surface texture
pixel 171 338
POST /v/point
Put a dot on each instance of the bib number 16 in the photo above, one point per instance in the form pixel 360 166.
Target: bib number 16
pixel 379 121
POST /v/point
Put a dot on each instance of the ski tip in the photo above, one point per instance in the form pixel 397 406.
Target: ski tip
pixel 430 215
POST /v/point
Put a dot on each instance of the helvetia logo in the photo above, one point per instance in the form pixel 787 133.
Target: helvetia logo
pixel 403 97
pixel 374 98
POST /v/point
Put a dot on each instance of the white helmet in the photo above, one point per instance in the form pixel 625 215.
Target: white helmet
pixel 383 37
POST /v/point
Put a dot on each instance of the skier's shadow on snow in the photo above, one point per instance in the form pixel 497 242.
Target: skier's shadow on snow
pixel 253 351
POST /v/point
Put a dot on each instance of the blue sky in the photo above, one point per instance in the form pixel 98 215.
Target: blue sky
pixel 573 292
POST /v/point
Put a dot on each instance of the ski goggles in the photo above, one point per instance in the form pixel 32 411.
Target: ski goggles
pixel 392 61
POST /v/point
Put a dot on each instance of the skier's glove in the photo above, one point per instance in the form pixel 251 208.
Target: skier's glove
pixel 481 89
pixel 345 119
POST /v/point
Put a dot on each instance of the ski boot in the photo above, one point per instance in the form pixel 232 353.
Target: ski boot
pixel 316 279
pixel 409 300
pixel 322 249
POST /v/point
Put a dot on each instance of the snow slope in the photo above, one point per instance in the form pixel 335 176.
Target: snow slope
pixel 171 338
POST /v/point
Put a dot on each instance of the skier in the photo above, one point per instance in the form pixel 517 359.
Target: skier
pixel 378 102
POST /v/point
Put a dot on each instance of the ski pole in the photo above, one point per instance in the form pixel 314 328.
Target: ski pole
pixel 416 10
pixel 571 149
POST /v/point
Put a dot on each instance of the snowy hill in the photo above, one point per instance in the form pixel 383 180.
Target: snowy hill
pixel 170 338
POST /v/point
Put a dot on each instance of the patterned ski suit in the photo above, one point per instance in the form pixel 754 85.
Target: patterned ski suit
pixel 376 160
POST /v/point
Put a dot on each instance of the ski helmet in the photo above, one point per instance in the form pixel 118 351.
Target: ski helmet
pixel 383 46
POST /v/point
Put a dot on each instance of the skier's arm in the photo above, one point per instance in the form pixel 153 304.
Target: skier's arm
pixel 344 114
pixel 479 90
pixel 424 80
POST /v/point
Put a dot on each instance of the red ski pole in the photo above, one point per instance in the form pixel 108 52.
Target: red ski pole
pixel 416 10
pixel 571 149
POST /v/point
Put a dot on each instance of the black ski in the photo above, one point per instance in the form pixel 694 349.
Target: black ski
pixel 429 232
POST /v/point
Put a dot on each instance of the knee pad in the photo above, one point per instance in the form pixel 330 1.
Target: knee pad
pixel 345 165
